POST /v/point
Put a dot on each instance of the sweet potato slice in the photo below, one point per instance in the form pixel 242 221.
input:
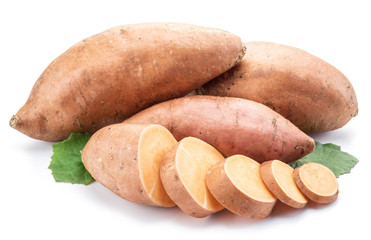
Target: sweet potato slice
pixel 317 182
pixel 183 172
pixel 154 142
pixel 236 183
pixel 126 159
pixel 278 177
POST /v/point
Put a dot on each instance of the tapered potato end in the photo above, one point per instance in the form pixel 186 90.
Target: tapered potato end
pixel 13 122
pixel 278 176
pixel 22 123
pixel 236 183
pixel 317 182
pixel 183 174
pixel 37 125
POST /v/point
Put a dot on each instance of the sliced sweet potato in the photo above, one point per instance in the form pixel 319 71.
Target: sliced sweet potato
pixel 126 159
pixel 278 177
pixel 317 182
pixel 183 174
pixel 236 183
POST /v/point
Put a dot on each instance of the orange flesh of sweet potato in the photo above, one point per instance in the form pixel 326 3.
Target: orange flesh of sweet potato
pixel 154 142
pixel 236 183
pixel 231 125
pixel 244 173
pixel 278 177
pixel 183 174
pixel 317 182
pixel 125 158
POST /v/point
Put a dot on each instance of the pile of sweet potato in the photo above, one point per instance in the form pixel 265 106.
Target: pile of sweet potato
pixel 132 87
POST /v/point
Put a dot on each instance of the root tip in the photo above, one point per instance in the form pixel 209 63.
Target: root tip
pixel 14 121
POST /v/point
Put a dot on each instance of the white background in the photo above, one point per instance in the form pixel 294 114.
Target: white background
pixel 34 206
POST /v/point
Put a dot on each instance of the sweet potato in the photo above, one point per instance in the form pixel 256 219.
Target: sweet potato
pixel 278 177
pixel 311 93
pixel 231 125
pixel 236 183
pixel 317 182
pixel 110 76
pixel 183 172
pixel 125 158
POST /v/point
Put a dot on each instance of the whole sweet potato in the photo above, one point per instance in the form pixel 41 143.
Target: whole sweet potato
pixel 231 125
pixel 311 93
pixel 110 76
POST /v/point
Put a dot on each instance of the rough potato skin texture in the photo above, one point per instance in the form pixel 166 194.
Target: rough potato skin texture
pixel 175 189
pixel 308 91
pixel 270 182
pixel 231 125
pixel 110 76
pixel 232 198
pixel 111 157
pixel 311 195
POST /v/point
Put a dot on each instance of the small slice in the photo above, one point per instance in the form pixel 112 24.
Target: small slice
pixel 237 185
pixel 126 159
pixel 183 174
pixel 278 177
pixel 317 182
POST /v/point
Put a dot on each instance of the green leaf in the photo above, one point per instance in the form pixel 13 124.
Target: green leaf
pixel 66 164
pixel 331 156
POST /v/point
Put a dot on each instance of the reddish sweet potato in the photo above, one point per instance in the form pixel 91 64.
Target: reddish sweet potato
pixel 231 125
pixel 110 76
pixel 311 93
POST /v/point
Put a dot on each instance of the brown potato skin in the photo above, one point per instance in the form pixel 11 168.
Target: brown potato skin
pixel 231 125
pixel 232 198
pixel 311 195
pixel 308 91
pixel 175 188
pixel 117 147
pixel 270 182
pixel 110 76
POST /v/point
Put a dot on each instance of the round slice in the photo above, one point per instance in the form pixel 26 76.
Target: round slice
pixel 317 182
pixel 126 159
pixel 237 185
pixel 278 177
pixel 183 174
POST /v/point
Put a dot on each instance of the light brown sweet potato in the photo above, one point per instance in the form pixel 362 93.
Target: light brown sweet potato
pixel 278 177
pixel 317 182
pixel 125 158
pixel 311 93
pixel 183 172
pixel 231 125
pixel 110 76
pixel 236 183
